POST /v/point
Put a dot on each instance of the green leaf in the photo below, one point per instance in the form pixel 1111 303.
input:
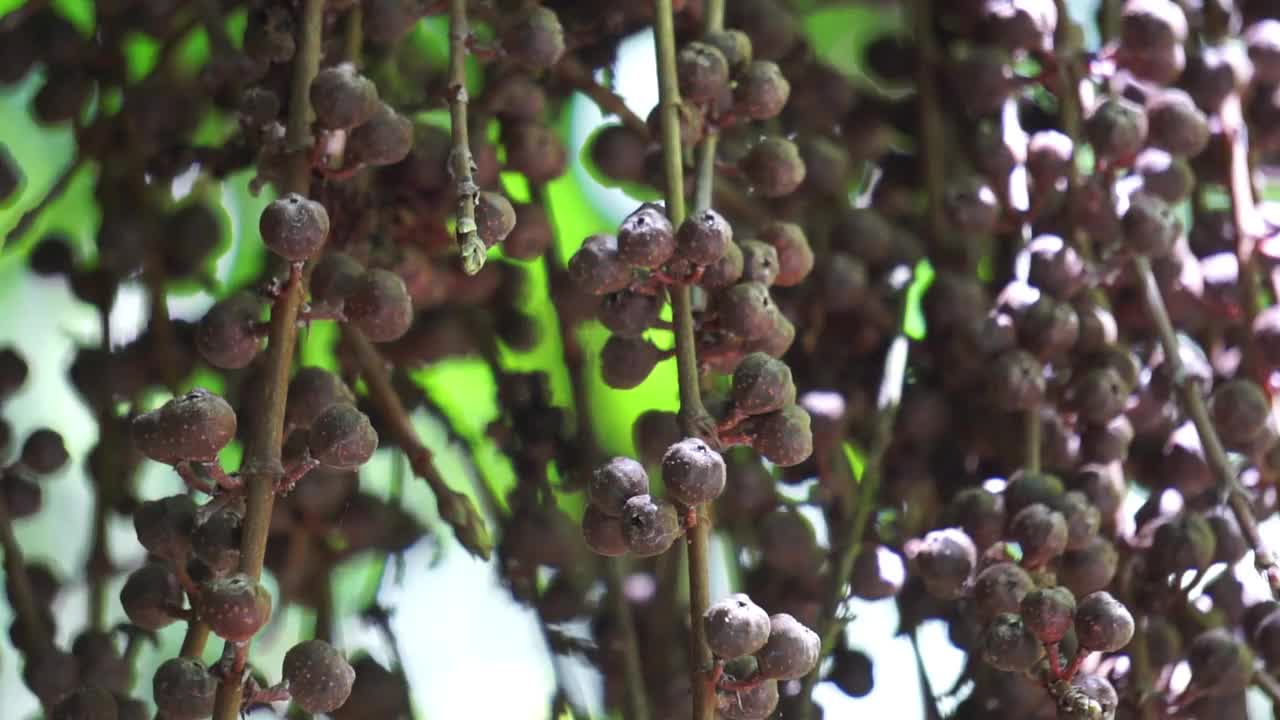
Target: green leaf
pixel 913 324
pixel 840 34
pixel 855 459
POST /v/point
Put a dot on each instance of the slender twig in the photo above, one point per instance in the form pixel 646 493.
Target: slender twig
pixel 572 71
pixel 1142 672
pixel 21 596
pixel 1193 401
pixel 695 421
pixel 455 508
pixel 887 402
pixel 461 164
pixel 1243 215
pixel 1266 682
pixel 54 192
pixel 262 467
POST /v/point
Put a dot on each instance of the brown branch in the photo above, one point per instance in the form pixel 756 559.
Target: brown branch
pixel 461 163
pixel 262 468
pixel 455 508
pixel 571 70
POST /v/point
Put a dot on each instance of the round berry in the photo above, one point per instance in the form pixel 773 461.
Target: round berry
pixel 646 238
pixel 703 73
pixel 783 436
pixel 733 44
pixel 736 626
pixel 1090 696
pixel 532 234
pixel 1015 380
pixel 603 533
pixel 756 703
pixel 1103 623
pixel 342 98
pixel 650 525
pixel 1220 663
pixel 1240 411
pixel 761 91
pixel 791 652
pixel 184 689
pixel 692 472
pixel 1117 128
pixel 342 437
pixel 294 227
pixel 43 452
pixel 164 526
pixel 1000 589
pixel 495 218
pixel 619 152
pixel 195 426
pixel 319 678
pixel 216 541
pixel 1040 532
pixel 150 596
pixel 703 237
pixel 235 607
pixel 625 362
pixel 628 313
pixel 535 151
pixel 336 276
pixel 971 204
pixel 1049 613
pixel 597 268
pixel 1175 124
pixel 13 371
pixel 384 139
pixel 614 483
pixel 228 336
pixel 944 559
pixel 773 167
pixel 1185 542
pixel 536 40
pixel 380 306
pixel 759 262
pixel 311 392
pixel 1009 645
pixel 795 256
pixel 745 310
pixel 762 384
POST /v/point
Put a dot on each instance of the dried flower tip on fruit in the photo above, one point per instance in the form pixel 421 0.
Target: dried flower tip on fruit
pixel 614 483
pixel 319 677
pixel 791 651
pixel 646 238
pixel 736 626
pixel 342 437
pixel 650 525
pixel 195 426
pixel 234 607
pixel 294 227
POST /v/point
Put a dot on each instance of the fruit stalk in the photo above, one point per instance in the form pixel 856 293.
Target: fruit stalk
pixel 705 183
pixel 579 78
pixel 1193 401
pixel 1243 215
pixel 470 246
pixel 455 508
pixel 888 399
pixel 262 468
pixel 19 585
pixel 694 419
